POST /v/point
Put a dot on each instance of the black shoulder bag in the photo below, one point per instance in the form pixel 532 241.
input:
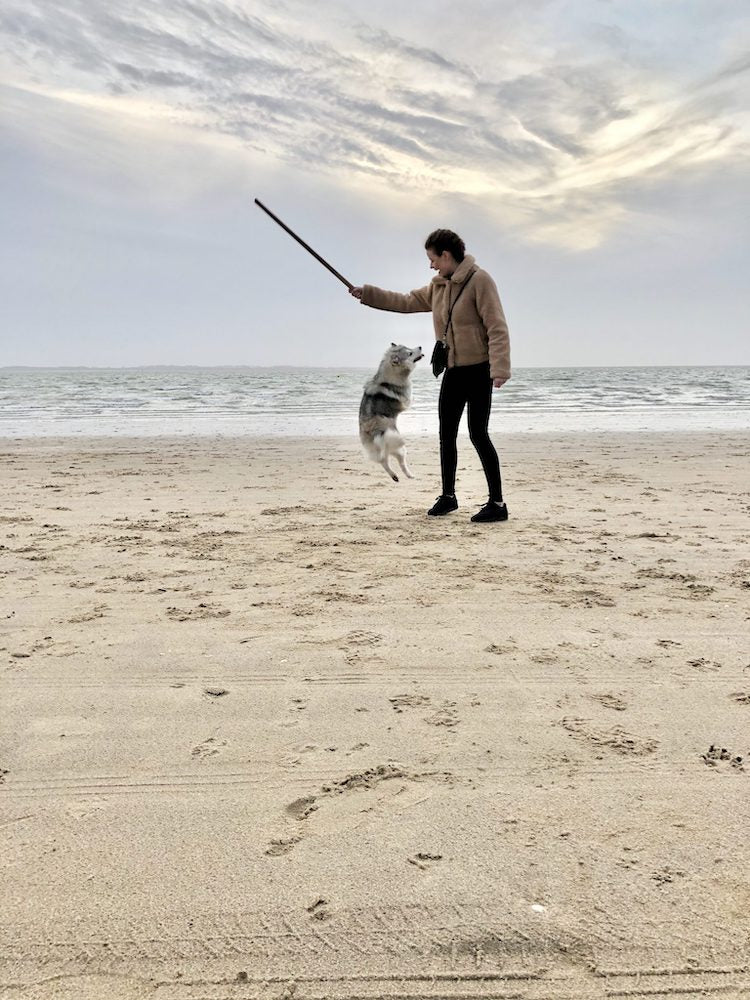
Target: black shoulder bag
pixel 439 359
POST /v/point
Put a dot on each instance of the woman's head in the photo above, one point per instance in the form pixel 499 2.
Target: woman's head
pixel 445 250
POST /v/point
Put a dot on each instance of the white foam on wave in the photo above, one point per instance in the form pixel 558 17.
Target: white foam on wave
pixel 321 402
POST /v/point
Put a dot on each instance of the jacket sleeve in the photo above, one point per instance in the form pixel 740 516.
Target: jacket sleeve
pixel 491 313
pixel 420 300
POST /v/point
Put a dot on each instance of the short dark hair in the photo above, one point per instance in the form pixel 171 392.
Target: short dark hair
pixel 445 239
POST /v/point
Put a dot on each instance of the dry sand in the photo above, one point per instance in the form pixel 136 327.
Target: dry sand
pixel 269 731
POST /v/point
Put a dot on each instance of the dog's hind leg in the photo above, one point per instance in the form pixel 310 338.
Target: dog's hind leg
pixel 401 457
pixel 381 452
pixel 386 465
pixel 393 444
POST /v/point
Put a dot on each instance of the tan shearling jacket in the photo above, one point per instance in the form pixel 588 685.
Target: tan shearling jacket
pixel 478 331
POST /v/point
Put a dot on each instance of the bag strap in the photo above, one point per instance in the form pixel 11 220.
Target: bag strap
pixel 453 304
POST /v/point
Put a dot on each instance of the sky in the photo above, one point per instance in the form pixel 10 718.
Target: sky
pixel 594 156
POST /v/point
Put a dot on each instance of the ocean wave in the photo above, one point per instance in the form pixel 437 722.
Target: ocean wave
pixel 282 402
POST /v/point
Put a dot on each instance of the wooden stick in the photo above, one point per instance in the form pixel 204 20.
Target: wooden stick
pixel 309 249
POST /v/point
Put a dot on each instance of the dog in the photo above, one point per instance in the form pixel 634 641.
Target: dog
pixel 386 395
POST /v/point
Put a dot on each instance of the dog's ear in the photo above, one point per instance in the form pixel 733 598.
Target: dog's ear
pixel 393 345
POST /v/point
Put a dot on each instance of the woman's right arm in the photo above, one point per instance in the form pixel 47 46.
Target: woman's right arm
pixel 420 300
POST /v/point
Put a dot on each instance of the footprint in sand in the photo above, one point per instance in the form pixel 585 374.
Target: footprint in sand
pixel 594 599
pixel 281 510
pixel 402 701
pixel 282 846
pixel 88 616
pixel 721 757
pixel 666 875
pixel 500 650
pixel 423 860
pixel 360 645
pixel 319 909
pixel 332 595
pixel 301 809
pixel 704 665
pixel 543 657
pixel 615 739
pixel 194 614
pixel 304 610
pixel 360 637
pixel 610 701
pixel 208 748
pixel 446 715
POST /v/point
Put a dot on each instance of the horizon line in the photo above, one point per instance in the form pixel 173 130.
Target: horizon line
pixel 234 367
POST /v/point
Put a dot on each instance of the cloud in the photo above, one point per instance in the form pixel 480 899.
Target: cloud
pixel 155 77
pixel 550 135
pixel 382 42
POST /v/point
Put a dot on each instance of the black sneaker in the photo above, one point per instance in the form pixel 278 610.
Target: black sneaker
pixel 493 510
pixel 443 505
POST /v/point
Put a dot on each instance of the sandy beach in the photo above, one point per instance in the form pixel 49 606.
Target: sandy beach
pixel 269 731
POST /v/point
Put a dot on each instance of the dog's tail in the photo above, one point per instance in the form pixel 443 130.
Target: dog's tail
pixel 392 441
pixel 373 446
pixel 381 445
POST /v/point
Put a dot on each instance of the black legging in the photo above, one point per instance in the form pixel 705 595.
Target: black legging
pixel 472 385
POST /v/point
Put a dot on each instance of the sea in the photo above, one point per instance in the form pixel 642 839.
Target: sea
pixel 237 401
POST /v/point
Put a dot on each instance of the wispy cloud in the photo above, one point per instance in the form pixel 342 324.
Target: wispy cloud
pixel 552 135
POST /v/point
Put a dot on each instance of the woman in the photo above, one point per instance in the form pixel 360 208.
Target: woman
pixel 469 319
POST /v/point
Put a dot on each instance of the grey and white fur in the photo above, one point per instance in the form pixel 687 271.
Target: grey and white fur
pixel 386 395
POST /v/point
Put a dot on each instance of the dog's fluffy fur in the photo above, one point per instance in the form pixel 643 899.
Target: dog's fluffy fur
pixel 386 395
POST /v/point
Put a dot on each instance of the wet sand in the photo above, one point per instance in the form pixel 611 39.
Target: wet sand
pixel 269 731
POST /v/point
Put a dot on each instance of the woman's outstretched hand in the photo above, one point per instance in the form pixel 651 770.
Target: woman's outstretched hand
pixel 356 292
